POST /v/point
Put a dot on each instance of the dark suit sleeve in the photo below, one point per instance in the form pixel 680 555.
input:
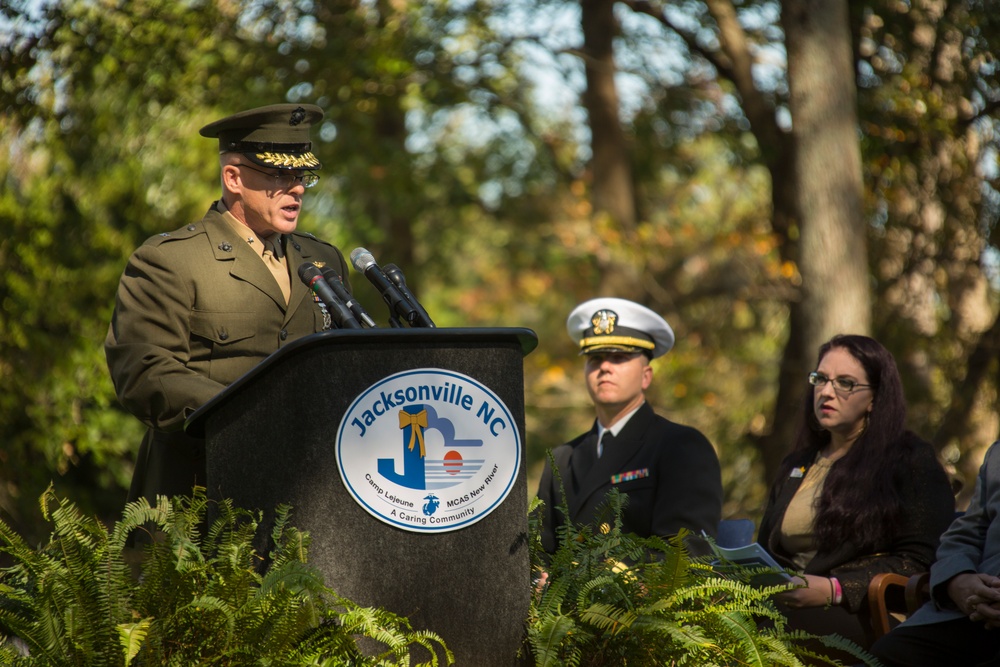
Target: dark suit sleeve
pixel 968 542
pixel 689 488
pixel 929 508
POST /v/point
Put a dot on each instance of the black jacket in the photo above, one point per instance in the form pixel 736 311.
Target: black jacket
pixel 676 482
pixel 930 506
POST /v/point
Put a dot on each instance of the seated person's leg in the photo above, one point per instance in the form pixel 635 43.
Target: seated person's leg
pixel 946 644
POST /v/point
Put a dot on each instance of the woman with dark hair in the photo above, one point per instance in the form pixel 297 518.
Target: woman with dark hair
pixel 858 495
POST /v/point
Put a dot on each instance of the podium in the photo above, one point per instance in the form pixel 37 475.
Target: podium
pixel 401 452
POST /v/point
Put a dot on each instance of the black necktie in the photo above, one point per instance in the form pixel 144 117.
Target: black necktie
pixel 607 440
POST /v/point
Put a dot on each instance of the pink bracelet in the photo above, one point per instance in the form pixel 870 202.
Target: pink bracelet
pixel 838 591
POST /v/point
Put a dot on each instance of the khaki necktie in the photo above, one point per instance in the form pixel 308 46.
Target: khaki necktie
pixel 274 257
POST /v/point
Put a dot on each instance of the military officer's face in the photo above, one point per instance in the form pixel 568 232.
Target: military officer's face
pixel 271 199
pixel 618 380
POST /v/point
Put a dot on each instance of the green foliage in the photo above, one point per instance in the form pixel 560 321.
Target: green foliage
pixel 454 133
pixel 928 92
pixel 200 599
pixel 614 598
pixel 95 99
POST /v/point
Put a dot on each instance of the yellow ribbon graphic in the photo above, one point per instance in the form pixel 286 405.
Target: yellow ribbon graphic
pixel 419 423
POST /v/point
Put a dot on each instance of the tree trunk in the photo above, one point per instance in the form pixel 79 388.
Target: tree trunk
pixel 610 164
pixel 612 188
pixel 816 190
pixel 827 159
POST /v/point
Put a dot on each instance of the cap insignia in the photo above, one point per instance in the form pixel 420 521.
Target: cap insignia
pixel 298 116
pixel 604 321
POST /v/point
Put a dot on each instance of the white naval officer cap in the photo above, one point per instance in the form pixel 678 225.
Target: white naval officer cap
pixel 608 324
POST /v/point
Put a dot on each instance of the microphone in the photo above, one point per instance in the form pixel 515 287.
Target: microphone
pixel 310 274
pixel 394 274
pixel 398 305
pixel 336 283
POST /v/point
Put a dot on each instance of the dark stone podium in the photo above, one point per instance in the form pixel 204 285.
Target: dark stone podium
pixel 311 427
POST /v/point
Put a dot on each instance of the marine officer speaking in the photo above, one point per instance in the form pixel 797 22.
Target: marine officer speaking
pixel 200 306
pixel 669 472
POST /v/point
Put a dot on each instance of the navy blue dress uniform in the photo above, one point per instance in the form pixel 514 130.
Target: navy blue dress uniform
pixel 670 472
pixel 198 307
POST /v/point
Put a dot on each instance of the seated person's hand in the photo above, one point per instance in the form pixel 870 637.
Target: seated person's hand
pixel 541 580
pixel 977 596
pixel 818 592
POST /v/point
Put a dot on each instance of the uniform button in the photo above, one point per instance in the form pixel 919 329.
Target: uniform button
pixel 283 335
pixel 191 228
pixel 225 246
pixel 223 335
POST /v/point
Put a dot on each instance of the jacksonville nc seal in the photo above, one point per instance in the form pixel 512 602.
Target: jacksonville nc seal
pixel 428 450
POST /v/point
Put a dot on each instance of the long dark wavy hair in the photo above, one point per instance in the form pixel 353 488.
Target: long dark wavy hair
pixel 860 500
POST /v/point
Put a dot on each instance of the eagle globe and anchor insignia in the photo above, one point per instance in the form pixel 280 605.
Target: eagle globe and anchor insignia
pixel 428 450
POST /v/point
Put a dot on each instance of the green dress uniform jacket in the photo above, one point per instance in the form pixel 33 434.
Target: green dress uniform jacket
pixel 669 472
pixel 196 309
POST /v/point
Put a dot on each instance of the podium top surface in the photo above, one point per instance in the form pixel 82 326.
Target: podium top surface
pixel 344 338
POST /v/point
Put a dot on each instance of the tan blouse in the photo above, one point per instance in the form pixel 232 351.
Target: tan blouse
pixel 797 532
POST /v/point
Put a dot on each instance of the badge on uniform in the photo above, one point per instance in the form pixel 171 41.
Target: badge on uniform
pixel 797 472
pixel 630 475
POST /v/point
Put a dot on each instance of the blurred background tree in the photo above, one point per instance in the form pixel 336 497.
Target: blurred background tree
pixel 516 158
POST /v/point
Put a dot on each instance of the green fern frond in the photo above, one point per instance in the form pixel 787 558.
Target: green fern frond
pixel 608 618
pixel 617 598
pixel 603 587
pixel 132 635
pixel 547 639
pixel 843 645
pixel 744 633
pixel 291 576
pixel 205 596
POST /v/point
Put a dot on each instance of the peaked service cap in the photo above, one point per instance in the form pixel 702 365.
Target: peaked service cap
pixel 275 136
pixel 608 324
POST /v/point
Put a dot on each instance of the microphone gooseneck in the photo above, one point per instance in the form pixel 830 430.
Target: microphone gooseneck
pixel 336 283
pixel 395 274
pixel 310 274
pixel 399 305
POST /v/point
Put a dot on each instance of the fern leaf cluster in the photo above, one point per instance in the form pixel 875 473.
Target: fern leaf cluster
pixel 203 596
pixel 613 598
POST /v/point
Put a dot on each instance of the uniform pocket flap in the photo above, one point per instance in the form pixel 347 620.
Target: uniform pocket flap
pixel 223 328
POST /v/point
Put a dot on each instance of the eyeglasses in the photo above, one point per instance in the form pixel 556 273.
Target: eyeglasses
pixel 286 181
pixel 845 385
